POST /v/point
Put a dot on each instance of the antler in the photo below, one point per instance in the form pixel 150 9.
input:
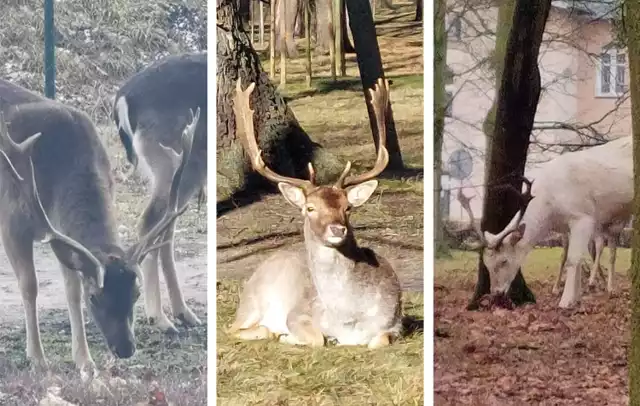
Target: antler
pixel 246 133
pixel 146 244
pixel 525 199
pixel 379 102
pixel 13 148
pixel 465 203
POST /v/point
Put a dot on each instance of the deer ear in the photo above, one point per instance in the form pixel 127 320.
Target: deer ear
pixel 293 194
pixel 359 194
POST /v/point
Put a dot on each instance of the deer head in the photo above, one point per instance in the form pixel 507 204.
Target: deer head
pixel 325 208
pixel 502 253
pixel 110 279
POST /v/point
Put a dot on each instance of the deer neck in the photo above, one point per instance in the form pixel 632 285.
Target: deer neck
pixel 330 266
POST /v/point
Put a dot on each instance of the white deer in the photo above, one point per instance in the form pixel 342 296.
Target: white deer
pixel 578 192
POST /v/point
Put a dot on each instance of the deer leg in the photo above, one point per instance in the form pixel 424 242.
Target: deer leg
pixel 79 346
pixel 151 279
pixel 581 233
pixel 19 249
pixel 595 268
pixel 563 261
pixel 302 332
pixel 612 244
pixel 180 309
pixel 381 340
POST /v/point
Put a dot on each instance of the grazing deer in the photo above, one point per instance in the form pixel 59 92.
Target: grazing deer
pixel 149 109
pixel 610 233
pixel 56 186
pixel 577 192
pixel 333 288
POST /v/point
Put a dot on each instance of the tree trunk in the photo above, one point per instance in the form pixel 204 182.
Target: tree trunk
pixel 632 28
pixel 418 11
pixel 517 101
pixel 285 145
pixel 439 68
pixel 370 65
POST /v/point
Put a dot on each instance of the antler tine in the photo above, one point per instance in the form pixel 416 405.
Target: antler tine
pixel 380 104
pixel 246 133
pixel 148 243
pixel 525 199
pixel 312 173
pixel 465 202
pixel 21 148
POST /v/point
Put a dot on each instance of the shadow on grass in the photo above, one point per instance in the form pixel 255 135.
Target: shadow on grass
pixel 412 325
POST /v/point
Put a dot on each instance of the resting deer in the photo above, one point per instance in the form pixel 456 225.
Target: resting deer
pixel 333 288
pixel 56 186
pixel 576 192
pixel 150 109
pixel 610 234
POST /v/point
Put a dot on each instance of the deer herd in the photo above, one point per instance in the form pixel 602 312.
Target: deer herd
pixel 56 186
pixel 586 196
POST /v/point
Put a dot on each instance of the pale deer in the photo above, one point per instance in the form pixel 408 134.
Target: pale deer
pixel 149 109
pixel 333 288
pixel 56 186
pixel 577 192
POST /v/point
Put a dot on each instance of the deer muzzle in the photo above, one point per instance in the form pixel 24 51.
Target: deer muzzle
pixel 335 234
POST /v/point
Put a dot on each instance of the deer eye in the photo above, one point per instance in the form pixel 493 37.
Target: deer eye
pixel 348 209
pixel 310 209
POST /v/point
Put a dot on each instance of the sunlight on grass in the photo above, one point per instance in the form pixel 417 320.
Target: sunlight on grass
pixel 541 264
pixel 270 373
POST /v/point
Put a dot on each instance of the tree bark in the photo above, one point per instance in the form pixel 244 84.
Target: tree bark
pixel 419 6
pixel 632 28
pixel 370 65
pixel 439 69
pixel 517 101
pixel 286 147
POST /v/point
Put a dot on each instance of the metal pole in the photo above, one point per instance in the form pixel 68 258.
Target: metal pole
pixel 49 51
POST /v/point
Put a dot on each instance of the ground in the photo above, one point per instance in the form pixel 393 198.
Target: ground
pixel 391 223
pixel 177 366
pixel 537 354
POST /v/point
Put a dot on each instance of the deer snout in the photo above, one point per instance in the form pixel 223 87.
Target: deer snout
pixel 338 230
pixel 335 234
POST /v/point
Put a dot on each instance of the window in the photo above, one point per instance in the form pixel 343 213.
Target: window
pixel 611 73
pixel 454 27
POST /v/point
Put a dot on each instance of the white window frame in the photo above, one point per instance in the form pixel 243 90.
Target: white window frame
pixel 613 65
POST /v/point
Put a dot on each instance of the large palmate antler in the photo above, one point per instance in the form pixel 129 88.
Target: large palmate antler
pixel 246 133
pixel 465 202
pixel 147 243
pixel 380 103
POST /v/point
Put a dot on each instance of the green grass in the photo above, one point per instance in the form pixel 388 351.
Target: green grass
pixel 270 373
pixel 541 264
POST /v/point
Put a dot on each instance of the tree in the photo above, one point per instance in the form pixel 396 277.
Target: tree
pixel 632 29
pixel 517 101
pixel 286 146
pixel 439 69
pixel 370 65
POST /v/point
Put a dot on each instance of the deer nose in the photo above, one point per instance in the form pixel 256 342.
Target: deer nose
pixel 338 230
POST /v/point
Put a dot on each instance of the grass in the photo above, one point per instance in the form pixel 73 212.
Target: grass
pixel 270 373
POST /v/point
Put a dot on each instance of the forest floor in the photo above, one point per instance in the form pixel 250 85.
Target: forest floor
pixel 334 114
pixel 534 355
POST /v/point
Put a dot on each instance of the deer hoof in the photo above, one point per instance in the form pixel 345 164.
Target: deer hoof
pixel 163 324
pixel 188 319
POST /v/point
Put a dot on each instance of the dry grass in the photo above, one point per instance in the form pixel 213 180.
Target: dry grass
pixel 334 114
pixel 269 373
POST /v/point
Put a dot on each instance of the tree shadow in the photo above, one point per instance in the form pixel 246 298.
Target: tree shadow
pixel 412 325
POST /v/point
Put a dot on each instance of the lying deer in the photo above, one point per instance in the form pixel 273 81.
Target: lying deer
pixel 150 109
pixel 333 288
pixel 56 186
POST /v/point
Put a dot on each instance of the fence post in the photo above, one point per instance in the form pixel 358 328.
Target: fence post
pixel 49 51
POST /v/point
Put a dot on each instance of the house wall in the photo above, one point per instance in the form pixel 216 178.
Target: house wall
pixel 568 82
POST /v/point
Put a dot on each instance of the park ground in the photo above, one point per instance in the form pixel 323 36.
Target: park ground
pixel 177 366
pixel 267 373
pixel 537 354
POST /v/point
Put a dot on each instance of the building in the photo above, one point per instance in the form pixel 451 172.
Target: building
pixel 584 98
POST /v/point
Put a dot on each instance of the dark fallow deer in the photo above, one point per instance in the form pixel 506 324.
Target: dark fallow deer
pixel 56 186
pixel 149 109
pixel 333 288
